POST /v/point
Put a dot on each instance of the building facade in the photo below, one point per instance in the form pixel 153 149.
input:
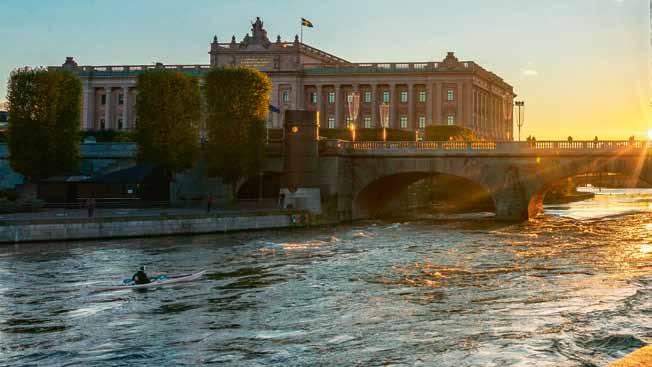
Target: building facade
pixel 448 92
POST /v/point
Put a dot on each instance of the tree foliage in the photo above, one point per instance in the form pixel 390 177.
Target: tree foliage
pixel 44 121
pixel 168 112
pixel 238 103
pixel 448 132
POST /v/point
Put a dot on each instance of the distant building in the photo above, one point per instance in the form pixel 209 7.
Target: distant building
pixel 448 92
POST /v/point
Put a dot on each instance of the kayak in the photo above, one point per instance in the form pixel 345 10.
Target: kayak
pixel 160 281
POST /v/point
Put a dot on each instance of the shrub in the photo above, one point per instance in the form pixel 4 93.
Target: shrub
pixel 368 134
pixel 448 132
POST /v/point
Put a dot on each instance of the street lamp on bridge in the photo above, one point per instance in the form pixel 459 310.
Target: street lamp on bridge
pixel 521 117
pixel 354 107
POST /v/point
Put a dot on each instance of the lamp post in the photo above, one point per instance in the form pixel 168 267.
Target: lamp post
pixel 384 118
pixel 354 108
pixel 521 117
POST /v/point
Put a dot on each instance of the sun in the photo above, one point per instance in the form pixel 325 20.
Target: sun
pixel 649 134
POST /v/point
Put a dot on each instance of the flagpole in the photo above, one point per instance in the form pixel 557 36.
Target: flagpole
pixel 301 31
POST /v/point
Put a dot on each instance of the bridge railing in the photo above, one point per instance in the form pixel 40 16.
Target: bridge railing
pixel 489 146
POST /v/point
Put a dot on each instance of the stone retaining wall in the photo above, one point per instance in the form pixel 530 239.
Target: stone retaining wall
pixel 60 230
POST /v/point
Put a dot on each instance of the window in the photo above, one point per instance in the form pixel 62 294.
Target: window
pixel 367 97
pixel 121 99
pixel 331 97
pixel 103 99
pixel 102 124
pixel 349 98
pixel 119 124
pixel 422 96
pixel 450 96
pixel 451 120
pixel 348 121
pixel 313 97
pixel 404 122
pixel 422 122
pixel 404 96
pixel 331 122
pixel 386 96
pixel 367 122
pixel 286 96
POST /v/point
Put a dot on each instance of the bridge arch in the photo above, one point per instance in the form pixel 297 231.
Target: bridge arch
pixel 384 192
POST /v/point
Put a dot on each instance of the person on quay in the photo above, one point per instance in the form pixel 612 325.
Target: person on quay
pixel 209 203
pixel 140 277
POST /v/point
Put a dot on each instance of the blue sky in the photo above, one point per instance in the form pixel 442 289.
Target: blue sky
pixel 581 66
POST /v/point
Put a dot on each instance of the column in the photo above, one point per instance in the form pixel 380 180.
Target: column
pixel 89 106
pixel 411 118
pixel 338 106
pixel 374 106
pixel 429 100
pixel 392 106
pixel 438 119
pixel 468 103
pixel 300 93
pixel 319 102
pixel 125 107
pixel 107 108
pixel 459 118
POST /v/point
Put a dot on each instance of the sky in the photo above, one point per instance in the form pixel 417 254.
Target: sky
pixel 581 66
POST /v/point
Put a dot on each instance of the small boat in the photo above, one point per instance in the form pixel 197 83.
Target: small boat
pixel 160 281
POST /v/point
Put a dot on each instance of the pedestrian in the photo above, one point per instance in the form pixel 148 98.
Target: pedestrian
pixel 570 139
pixel 90 205
pixel 209 203
pixel 281 200
pixel 595 141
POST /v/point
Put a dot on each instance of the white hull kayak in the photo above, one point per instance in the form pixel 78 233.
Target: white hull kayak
pixel 155 283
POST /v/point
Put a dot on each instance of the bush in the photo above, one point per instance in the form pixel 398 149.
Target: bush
pixel 368 134
pixel 29 204
pixel 108 136
pixel 448 132
pixel 7 206
pixel 9 195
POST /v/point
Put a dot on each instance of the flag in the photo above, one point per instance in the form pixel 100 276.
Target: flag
pixel 274 109
pixel 306 23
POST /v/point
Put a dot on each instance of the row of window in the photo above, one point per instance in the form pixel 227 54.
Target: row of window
pixel 403 121
pixel 121 99
pixel 366 96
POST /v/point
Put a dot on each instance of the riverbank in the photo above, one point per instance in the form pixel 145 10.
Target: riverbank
pixel 67 229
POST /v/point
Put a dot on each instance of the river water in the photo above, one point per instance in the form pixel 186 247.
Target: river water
pixel 570 288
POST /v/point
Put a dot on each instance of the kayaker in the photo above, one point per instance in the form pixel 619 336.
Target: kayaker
pixel 140 277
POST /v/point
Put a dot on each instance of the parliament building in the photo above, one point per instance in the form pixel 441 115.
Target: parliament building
pixel 448 92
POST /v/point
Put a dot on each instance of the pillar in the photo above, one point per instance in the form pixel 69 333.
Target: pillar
pixel 459 116
pixel 437 118
pixel 125 107
pixel 338 106
pixel 320 120
pixel 276 117
pixel 411 118
pixel 107 108
pixel 393 106
pixel 89 107
pixel 374 106
pixel 429 100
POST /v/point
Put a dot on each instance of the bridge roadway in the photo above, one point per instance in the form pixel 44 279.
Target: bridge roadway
pixel 365 177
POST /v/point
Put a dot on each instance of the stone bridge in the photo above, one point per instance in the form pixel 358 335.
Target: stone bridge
pixel 359 178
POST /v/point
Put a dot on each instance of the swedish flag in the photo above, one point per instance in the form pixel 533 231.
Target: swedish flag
pixel 306 23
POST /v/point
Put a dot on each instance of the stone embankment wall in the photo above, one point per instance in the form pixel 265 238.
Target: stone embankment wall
pixel 100 228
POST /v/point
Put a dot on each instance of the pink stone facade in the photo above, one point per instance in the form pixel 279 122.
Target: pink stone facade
pixel 419 94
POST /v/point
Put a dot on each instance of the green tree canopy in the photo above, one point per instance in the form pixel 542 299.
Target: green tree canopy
pixel 238 104
pixel 168 112
pixel 44 122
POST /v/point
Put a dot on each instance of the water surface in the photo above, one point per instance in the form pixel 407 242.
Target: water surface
pixel 556 291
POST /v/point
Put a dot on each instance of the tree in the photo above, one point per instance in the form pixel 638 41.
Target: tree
pixel 44 121
pixel 448 132
pixel 238 103
pixel 168 112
